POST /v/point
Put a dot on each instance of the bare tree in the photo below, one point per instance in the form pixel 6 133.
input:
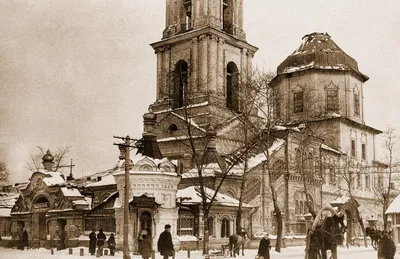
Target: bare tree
pixel 351 180
pixel 385 174
pixel 35 162
pixel 4 173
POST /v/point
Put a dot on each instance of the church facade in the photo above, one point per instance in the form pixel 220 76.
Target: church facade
pixel 201 60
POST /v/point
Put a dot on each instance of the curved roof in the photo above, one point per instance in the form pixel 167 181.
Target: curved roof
pixel 319 51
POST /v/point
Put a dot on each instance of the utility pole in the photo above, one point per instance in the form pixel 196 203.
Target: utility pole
pixel 124 154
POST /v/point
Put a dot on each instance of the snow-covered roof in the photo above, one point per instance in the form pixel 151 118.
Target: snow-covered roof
pixel 80 202
pixel 212 169
pixel 71 192
pixel 53 178
pixel 318 50
pixel 394 207
pixel 191 195
pixel 7 200
pixel 328 148
pixel 105 180
pixel 5 212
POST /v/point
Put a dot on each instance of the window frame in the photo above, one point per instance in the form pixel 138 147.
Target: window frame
pixel 298 102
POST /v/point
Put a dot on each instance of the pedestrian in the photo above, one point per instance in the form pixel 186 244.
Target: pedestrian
pixel 145 247
pixel 92 242
pixel 264 247
pixel 101 238
pixel 387 248
pixel 111 244
pixel 164 244
pixel 25 240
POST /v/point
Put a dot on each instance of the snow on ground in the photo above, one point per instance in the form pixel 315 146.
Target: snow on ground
pixel 291 252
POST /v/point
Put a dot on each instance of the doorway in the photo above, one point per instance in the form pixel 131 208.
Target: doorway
pixel 146 224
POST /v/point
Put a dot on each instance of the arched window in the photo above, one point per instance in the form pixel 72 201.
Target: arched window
pixel 172 128
pixel 232 87
pixel 225 228
pixel 296 208
pixel 298 160
pixel 211 226
pixel 310 163
pixel 301 207
pixel 228 16
pixel 180 84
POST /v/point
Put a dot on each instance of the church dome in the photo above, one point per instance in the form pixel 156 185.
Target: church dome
pixel 319 51
pixel 48 157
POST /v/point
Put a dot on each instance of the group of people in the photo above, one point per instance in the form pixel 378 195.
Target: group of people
pixel 164 244
pixel 99 241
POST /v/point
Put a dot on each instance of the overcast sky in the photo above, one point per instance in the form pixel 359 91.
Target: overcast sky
pixel 76 72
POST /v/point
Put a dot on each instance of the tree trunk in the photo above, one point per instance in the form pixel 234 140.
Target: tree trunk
pixel 360 221
pixel 206 234
pixel 280 230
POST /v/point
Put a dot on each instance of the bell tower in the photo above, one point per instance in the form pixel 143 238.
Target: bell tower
pixel 202 56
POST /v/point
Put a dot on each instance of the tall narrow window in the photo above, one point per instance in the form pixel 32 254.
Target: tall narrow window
pixel 298 102
pixel 186 15
pixel 228 16
pixel 353 148
pixel 332 100
pixel 356 103
pixel 180 84
pixel 225 228
pixel 232 87
pixel 359 186
pixel 298 160
pixel 363 152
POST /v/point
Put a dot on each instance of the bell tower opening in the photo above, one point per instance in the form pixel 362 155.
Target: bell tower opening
pixel 227 16
pixel 186 15
pixel 232 87
pixel 180 80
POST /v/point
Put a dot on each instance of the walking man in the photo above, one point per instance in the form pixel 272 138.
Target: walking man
pixel 164 244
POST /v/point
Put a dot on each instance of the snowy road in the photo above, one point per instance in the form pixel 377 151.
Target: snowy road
pixel 291 252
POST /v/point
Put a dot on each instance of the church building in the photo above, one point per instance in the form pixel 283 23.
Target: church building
pixel 319 140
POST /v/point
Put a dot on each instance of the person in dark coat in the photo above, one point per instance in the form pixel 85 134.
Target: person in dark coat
pixel 145 247
pixel 111 244
pixel 25 239
pixel 387 248
pixel 92 242
pixel 164 244
pixel 101 238
pixel 264 247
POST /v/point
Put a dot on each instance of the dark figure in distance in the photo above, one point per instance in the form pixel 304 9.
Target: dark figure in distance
pixel 264 247
pixel 111 244
pixel 101 238
pixel 387 248
pixel 24 239
pixel 145 247
pixel 92 242
pixel 164 244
